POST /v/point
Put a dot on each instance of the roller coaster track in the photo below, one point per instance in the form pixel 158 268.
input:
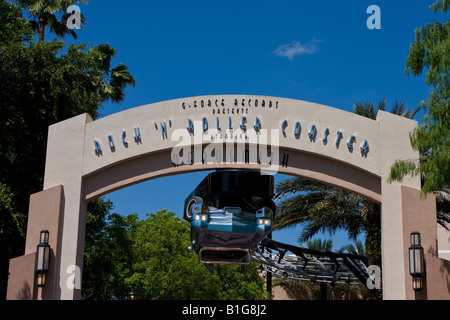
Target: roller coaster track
pixel 292 262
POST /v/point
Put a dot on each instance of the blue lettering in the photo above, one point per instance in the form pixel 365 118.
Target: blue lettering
pixel 98 148
pixel 205 124
pixel 365 148
pixel 124 134
pixel 350 143
pixel 298 128
pixel 284 126
pixel 338 139
pixel 218 124
pixel 111 142
pixel 190 127
pixel 257 125
pixel 137 135
pixel 326 134
pixel 313 132
pixel 244 120
pixel 164 130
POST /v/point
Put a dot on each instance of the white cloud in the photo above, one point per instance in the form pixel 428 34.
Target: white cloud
pixel 296 48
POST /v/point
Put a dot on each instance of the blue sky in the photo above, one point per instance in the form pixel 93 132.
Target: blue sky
pixel 315 51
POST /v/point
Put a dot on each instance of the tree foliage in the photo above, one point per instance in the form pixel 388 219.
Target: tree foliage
pixel 51 13
pixel 324 208
pixel 319 208
pixel 151 258
pixel 41 83
pixel 429 53
pixel 107 253
pixel 367 109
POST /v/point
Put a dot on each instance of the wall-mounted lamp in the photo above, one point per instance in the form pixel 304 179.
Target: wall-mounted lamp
pixel 132 295
pixel 416 265
pixel 42 258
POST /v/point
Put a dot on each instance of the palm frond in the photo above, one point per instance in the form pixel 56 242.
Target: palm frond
pixel 319 244
pixel 49 11
pixel 106 53
pixel 365 109
pixel 121 77
pixel 294 185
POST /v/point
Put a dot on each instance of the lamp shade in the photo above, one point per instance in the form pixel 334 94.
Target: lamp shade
pixel 42 258
pixel 44 236
pixel 416 264
pixel 415 256
pixel 417 283
pixel 132 295
pixel 415 238
pixel 40 281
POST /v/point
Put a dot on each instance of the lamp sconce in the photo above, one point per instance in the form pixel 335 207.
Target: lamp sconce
pixel 132 296
pixel 42 259
pixel 416 265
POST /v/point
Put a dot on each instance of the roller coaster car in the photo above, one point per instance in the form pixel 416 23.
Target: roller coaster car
pixel 230 212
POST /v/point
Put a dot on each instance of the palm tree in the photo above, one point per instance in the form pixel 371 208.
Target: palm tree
pixel 367 109
pixel 319 244
pixel 355 248
pixel 45 13
pixel 112 82
pixel 320 207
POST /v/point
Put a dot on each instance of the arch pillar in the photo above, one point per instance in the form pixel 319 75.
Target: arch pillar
pixel 394 145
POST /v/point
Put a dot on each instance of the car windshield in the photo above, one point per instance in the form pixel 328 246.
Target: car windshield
pixel 241 182
pixel 245 189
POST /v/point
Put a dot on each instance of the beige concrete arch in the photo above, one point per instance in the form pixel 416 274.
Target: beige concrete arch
pixel 300 164
pixel 87 159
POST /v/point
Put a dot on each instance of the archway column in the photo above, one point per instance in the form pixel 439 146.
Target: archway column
pixel 394 145
pixel 64 166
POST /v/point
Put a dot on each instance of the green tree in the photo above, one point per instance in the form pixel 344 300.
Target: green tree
pixel 51 13
pixel 163 267
pixel 429 53
pixel 235 285
pixel 41 86
pixel 151 258
pixel 319 244
pixel 355 248
pixel 13 29
pixel 107 254
pixel 319 208
pixel 41 83
pixel 367 109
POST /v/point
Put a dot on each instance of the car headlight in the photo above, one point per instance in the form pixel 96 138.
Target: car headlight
pixel 264 222
pixel 201 217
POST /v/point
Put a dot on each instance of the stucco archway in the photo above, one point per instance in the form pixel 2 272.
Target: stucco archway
pixel 87 159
